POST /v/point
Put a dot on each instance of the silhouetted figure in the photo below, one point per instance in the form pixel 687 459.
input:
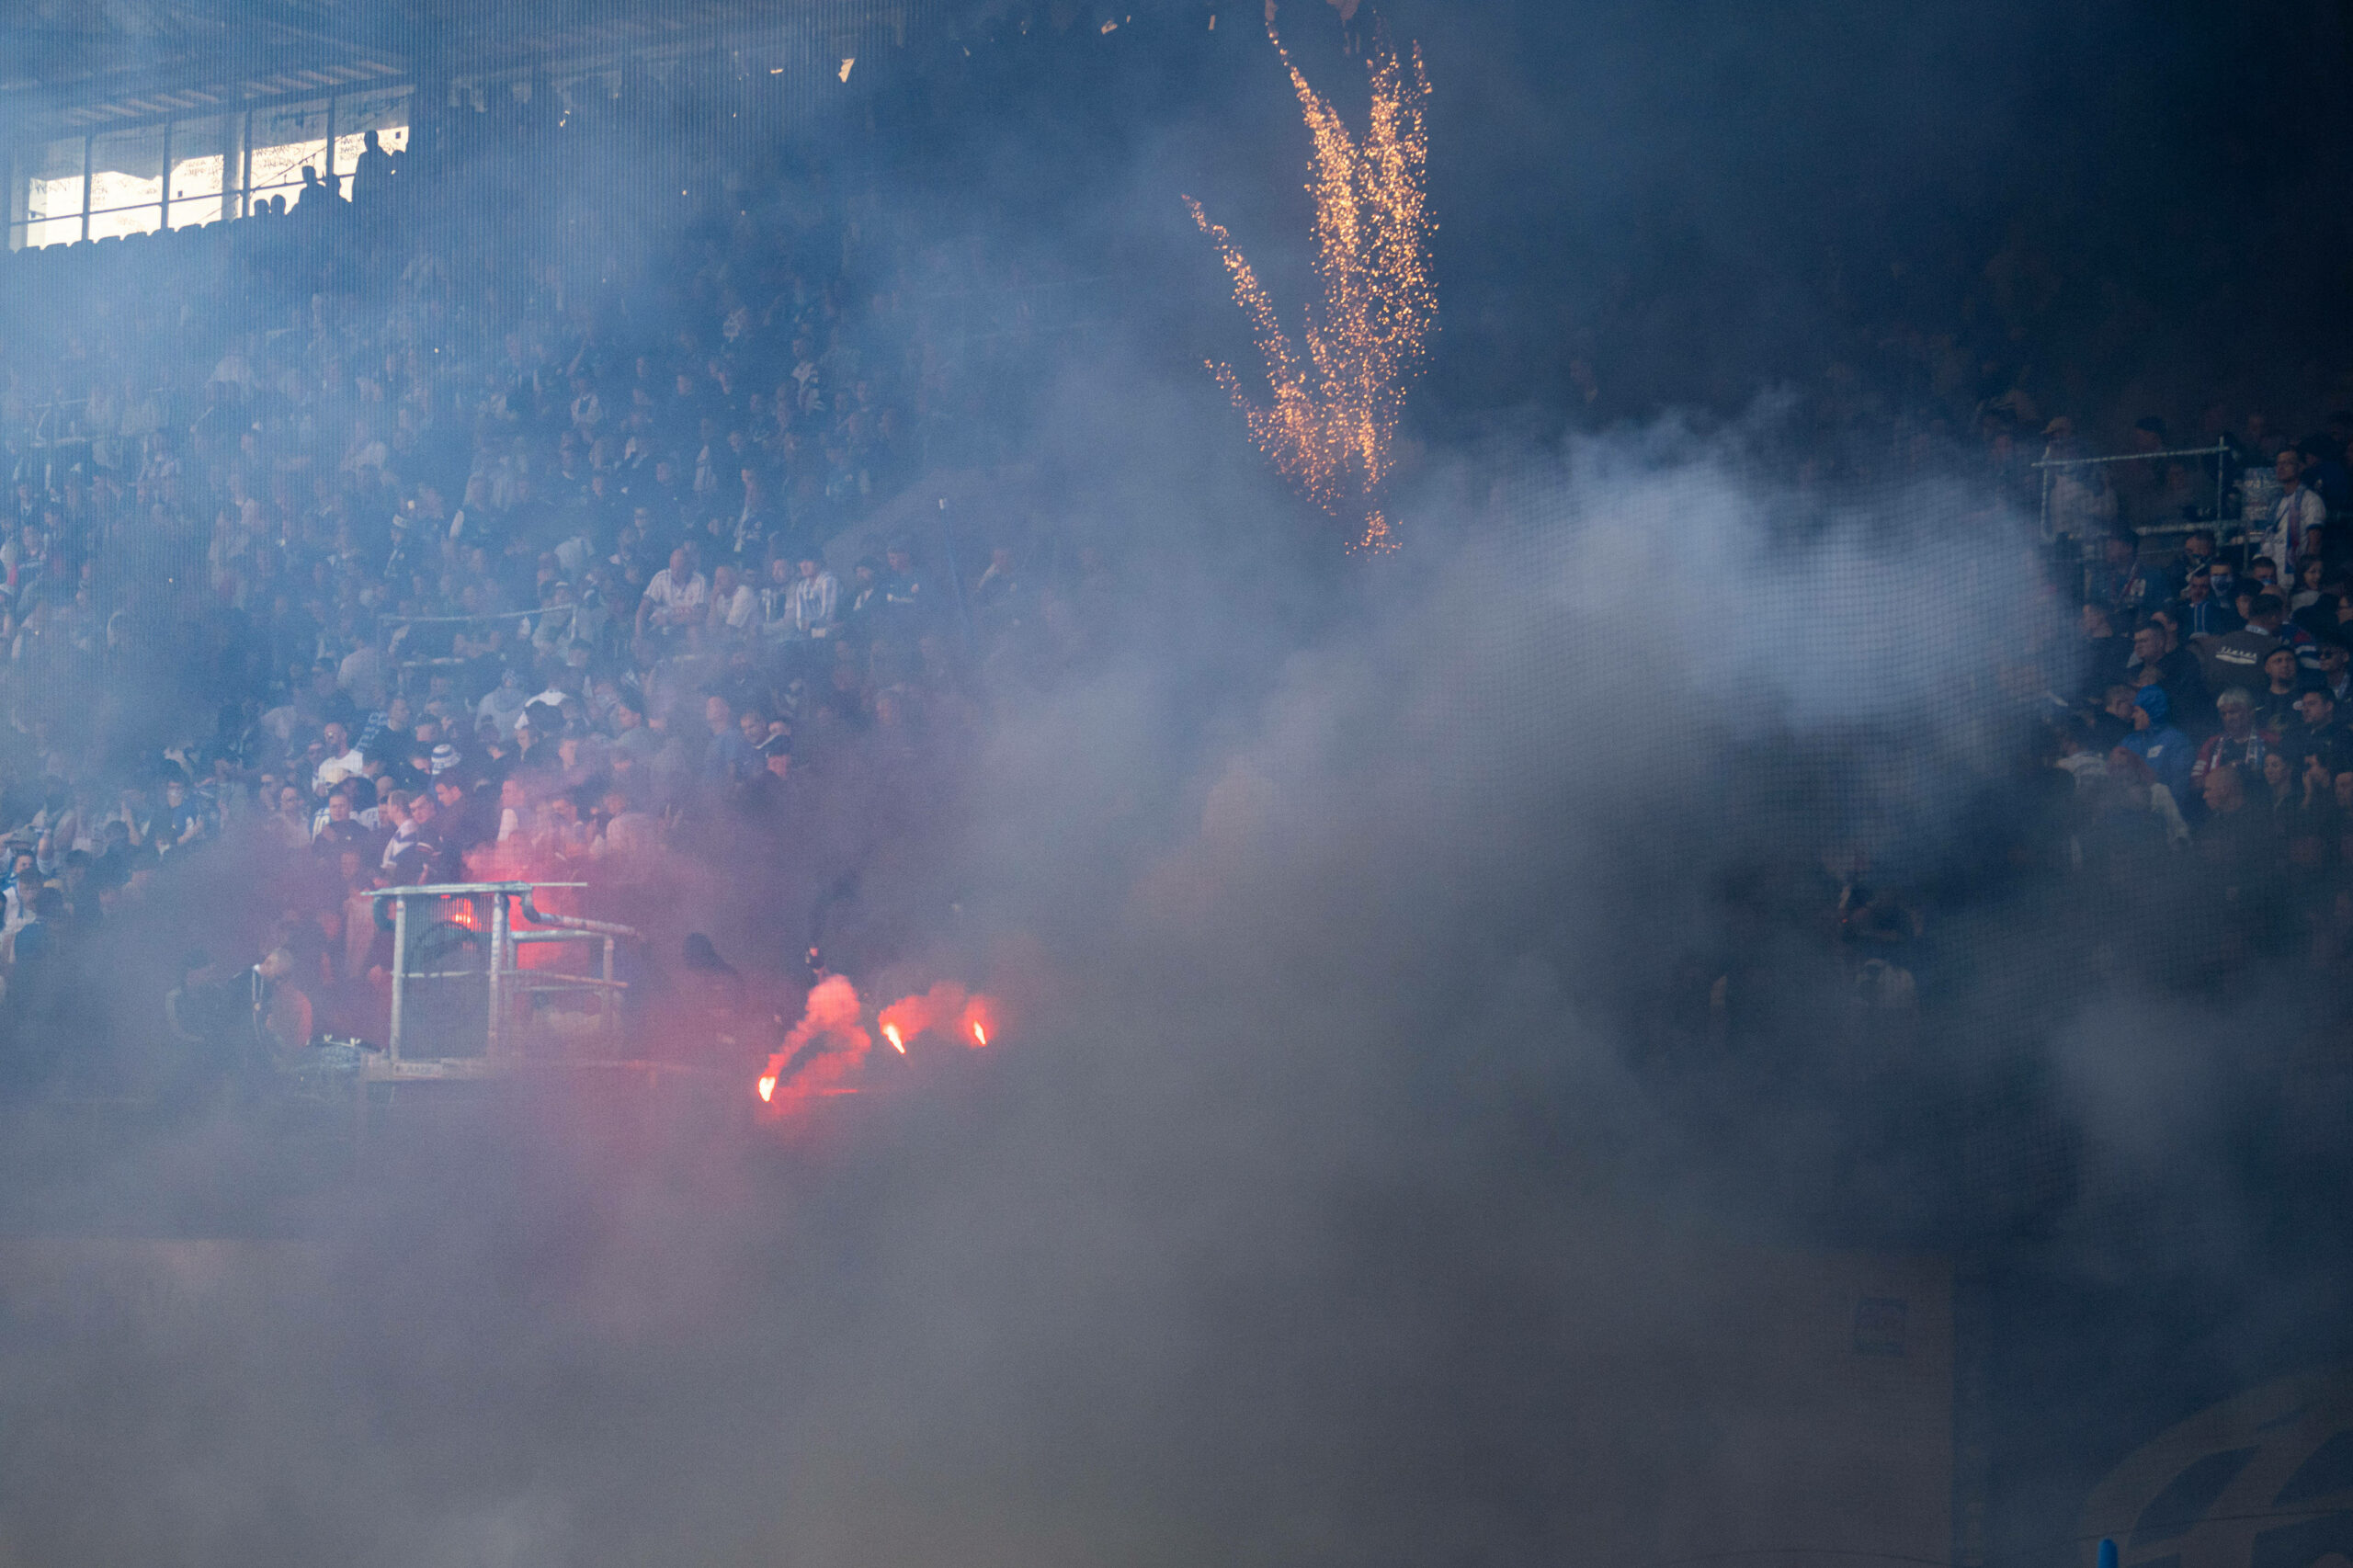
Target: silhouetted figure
pixel 316 195
pixel 373 174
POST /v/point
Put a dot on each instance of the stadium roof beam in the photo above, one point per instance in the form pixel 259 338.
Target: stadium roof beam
pixel 143 60
pixel 334 26
pixel 155 56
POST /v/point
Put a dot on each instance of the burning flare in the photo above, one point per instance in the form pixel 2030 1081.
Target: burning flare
pixel 980 1017
pixel 1333 416
pixel 832 1020
pixel 946 1009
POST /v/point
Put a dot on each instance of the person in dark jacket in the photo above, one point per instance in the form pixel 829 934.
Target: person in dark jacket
pixel 2174 669
pixel 2105 652
pixel 2200 612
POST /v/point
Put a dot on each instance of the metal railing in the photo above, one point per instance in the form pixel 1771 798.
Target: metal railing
pixel 2219 452
pixel 505 982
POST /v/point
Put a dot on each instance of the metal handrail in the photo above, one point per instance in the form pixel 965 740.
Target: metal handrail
pixel 501 976
pixel 451 889
pixel 571 921
pixel 536 610
pixel 2220 452
pixel 2219 449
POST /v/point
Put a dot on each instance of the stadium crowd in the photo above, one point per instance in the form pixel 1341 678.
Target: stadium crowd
pixel 476 562
pixel 489 522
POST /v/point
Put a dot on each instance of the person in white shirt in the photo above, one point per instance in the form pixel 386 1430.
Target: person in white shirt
pixel 806 605
pixel 2080 501
pixel 776 600
pixel 555 630
pixel 2294 517
pixel 504 702
pixel 675 597
pixel 343 759
pixel 573 553
pixel 363 673
pixel 367 448
pixel 628 834
pixel 732 603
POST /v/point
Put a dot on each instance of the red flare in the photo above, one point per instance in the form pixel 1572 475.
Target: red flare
pixel 912 1015
pixel 980 1020
pixel 830 1019
pixel 947 1010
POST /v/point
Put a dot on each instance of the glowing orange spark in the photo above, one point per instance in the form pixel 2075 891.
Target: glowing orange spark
pixel 768 1086
pixel 980 1035
pixel 1331 418
pixel 891 1033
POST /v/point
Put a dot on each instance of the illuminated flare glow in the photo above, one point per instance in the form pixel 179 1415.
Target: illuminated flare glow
pixel 980 1019
pixel 832 1020
pixel 1334 406
pixel 825 1054
pixel 946 1011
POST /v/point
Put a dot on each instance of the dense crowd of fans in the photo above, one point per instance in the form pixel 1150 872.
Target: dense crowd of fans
pixel 481 560
pixel 2211 708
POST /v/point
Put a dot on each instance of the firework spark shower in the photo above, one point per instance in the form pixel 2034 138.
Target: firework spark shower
pixel 1337 395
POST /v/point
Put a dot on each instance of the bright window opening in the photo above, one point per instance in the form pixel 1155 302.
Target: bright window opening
pixel 211 169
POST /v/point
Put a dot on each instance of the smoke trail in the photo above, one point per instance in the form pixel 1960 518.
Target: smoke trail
pixel 822 1054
